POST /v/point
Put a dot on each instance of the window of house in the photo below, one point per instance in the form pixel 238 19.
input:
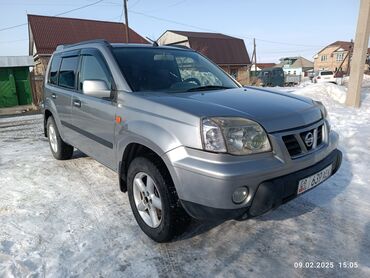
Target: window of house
pixel 53 72
pixel 339 56
pixel 324 58
pixel 92 68
pixel 234 73
pixel 67 72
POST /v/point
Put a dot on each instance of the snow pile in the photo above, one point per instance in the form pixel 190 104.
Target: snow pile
pixel 365 81
pixel 325 92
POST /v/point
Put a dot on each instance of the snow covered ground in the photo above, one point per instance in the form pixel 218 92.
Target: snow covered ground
pixel 68 218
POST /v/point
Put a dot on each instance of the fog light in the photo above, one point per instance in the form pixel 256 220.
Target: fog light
pixel 240 194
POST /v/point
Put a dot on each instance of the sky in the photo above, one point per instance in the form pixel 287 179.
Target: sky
pixel 281 28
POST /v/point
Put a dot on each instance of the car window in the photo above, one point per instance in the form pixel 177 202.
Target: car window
pixel 327 73
pixel 67 72
pixel 53 72
pixel 92 68
pixel 169 70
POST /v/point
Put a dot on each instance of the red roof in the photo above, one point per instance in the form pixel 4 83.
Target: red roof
pixel 340 44
pixel 343 44
pixel 220 48
pixel 266 65
pixel 49 32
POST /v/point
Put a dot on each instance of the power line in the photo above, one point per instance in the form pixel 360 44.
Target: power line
pixel 20 40
pixel 286 43
pixel 171 21
pixel 289 51
pixel 66 12
pixel 210 30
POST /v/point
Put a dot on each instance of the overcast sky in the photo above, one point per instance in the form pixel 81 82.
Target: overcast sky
pixel 281 28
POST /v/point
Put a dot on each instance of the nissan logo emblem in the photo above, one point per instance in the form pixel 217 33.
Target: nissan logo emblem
pixel 308 139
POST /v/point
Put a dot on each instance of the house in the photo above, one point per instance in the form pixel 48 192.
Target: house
pixel 46 33
pixel 15 87
pixel 228 52
pixel 334 57
pixel 295 65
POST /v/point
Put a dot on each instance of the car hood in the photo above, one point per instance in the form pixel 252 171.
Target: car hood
pixel 275 111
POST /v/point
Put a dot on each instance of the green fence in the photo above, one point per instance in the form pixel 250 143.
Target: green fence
pixel 15 88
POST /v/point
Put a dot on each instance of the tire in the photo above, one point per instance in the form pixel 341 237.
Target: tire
pixel 171 219
pixel 58 147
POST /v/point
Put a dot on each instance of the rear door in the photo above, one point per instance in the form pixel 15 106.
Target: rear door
pixel 94 118
pixel 60 87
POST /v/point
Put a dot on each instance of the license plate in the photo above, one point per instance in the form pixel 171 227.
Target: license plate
pixel 311 181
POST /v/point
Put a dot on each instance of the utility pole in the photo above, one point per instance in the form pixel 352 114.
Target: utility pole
pixel 254 57
pixel 126 21
pixel 359 55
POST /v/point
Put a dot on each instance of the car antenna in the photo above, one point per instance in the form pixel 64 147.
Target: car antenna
pixel 154 43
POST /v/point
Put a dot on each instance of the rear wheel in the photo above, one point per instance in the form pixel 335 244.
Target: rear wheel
pixel 58 147
pixel 154 200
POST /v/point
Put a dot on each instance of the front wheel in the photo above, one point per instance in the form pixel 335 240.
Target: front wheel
pixel 154 201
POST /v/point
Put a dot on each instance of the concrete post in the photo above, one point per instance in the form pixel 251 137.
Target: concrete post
pixel 359 55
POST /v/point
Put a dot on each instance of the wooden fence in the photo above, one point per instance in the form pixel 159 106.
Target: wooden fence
pixel 37 88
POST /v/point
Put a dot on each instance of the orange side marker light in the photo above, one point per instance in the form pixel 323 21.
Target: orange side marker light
pixel 118 119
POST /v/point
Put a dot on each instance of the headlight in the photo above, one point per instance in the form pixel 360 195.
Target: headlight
pixel 234 135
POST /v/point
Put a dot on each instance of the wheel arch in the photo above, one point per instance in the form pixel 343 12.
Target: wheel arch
pixel 51 110
pixel 47 114
pixel 136 149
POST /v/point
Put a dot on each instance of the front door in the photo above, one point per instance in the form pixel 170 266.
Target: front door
pixel 94 118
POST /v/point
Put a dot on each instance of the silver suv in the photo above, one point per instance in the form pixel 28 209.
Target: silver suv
pixel 184 137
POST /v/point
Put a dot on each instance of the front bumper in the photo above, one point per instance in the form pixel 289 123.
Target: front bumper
pixel 269 195
pixel 205 181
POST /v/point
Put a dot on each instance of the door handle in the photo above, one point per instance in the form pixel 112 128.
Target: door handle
pixel 54 96
pixel 77 103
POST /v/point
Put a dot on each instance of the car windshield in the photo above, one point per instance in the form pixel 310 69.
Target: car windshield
pixel 169 70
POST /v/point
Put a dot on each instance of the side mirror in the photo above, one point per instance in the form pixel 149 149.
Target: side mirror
pixel 96 88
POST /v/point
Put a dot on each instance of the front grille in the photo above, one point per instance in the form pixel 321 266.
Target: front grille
pixel 303 142
pixel 292 145
pixel 319 135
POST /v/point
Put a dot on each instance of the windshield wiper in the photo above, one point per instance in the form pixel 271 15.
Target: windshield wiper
pixel 207 88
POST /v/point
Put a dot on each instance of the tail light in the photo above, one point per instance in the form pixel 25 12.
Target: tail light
pixel 319 77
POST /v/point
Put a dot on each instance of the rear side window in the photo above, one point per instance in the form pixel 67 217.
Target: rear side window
pixel 53 73
pixel 67 72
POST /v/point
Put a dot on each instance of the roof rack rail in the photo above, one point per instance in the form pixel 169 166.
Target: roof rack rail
pixel 63 46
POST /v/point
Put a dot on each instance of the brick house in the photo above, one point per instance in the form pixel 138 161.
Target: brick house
pixel 46 33
pixel 228 52
pixel 333 57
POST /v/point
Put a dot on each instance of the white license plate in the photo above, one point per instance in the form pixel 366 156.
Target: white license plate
pixel 312 181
